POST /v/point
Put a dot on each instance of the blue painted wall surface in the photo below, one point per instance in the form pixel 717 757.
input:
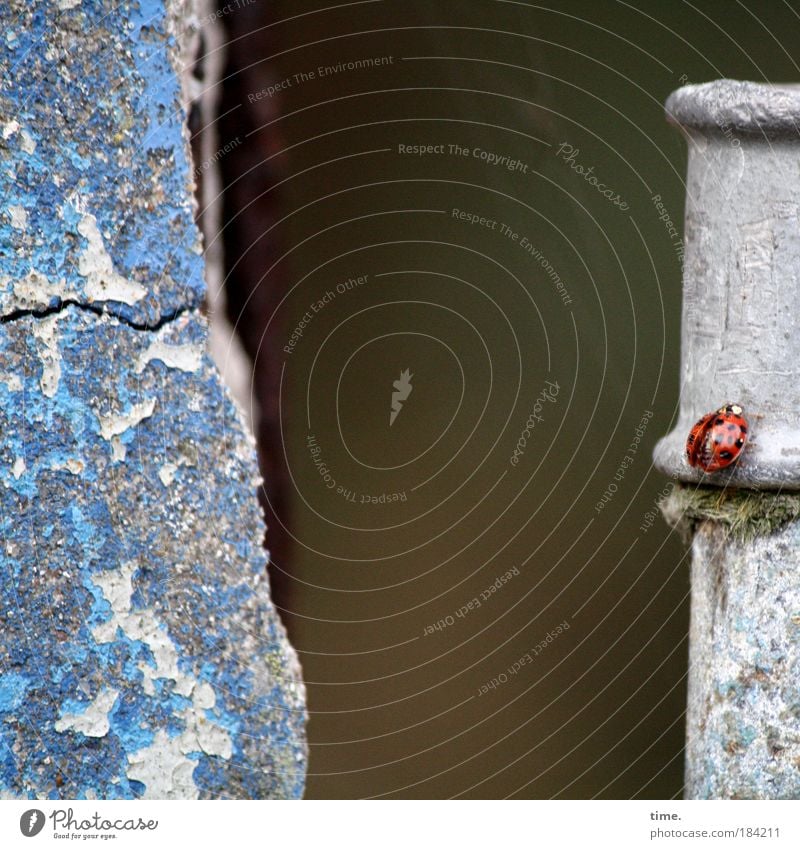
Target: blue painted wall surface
pixel 140 655
pixel 90 123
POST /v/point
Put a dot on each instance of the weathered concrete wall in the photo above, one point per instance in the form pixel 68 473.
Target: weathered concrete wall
pixel 140 654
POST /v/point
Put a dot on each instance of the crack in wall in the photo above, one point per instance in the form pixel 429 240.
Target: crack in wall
pixel 101 310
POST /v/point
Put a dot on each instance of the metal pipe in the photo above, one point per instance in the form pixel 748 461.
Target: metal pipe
pixel 741 344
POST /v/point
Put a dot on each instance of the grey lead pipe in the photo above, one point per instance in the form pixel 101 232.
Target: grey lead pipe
pixel 740 344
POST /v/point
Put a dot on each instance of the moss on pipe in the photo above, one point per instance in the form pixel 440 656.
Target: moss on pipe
pixel 745 513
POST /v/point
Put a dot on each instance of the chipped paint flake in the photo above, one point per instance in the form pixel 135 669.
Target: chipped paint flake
pixel 18 469
pixel 209 737
pixel 163 765
pixel 164 769
pixel 117 587
pixel 187 357
pixel 46 334
pixel 32 291
pixel 35 291
pixel 103 283
pixel 19 217
pixel 118 449
pixel 28 144
pixel 115 424
pixel 72 465
pixel 9 128
pixel 167 473
pixel 93 722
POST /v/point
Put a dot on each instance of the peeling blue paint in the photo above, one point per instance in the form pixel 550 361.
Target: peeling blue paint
pixel 140 654
pixel 106 126
pixel 13 689
pixel 198 575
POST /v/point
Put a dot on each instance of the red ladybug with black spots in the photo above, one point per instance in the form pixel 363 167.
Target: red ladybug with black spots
pixel 717 439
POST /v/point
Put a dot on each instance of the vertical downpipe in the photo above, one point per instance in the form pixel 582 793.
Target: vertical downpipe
pixel 741 344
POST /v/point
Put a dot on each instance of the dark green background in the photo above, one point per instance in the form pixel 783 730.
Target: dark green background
pixel 394 712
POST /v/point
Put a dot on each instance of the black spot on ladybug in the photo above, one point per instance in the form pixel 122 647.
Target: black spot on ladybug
pixel 726 455
pixel 732 427
pixel 742 428
pixel 720 421
pixel 739 443
pixel 730 440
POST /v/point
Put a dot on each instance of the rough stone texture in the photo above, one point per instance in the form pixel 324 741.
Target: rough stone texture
pixel 741 281
pixel 743 716
pixel 94 162
pixel 140 655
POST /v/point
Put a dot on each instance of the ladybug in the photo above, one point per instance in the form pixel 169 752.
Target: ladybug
pixel 717 439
